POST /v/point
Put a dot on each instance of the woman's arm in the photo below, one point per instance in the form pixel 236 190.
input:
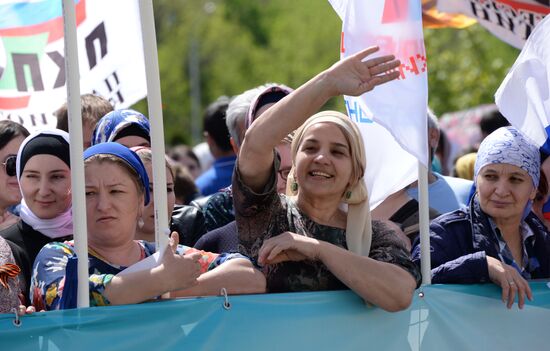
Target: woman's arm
pixel 351 76
pixel 48 276
pixel 238 276
pixel 175 272
pixel 452 258
pixel 384 284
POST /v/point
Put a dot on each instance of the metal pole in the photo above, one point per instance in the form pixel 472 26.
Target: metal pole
pixel 154 101
pixel 424 223
pixel 76 146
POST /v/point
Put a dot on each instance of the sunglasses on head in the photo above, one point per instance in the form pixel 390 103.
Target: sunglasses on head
pixel 9 165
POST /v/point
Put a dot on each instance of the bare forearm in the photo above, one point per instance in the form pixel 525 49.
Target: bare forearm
pixel 237 276
pixel 135 287
pixel 383 284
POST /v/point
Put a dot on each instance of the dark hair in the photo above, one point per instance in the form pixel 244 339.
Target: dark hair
pixel 93 107
pixel 10 130
pixel 214 123
pixel 491 121
pixel 542 189
pixel 178 151
pixel 184 185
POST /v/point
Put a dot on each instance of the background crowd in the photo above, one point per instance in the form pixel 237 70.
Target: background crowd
pixel 274 203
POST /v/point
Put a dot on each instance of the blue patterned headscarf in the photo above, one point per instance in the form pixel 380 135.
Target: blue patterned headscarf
pixel 125 154
pixel 108 127
pixel 507 145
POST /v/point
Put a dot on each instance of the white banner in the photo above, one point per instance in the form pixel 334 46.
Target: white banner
pixel 524 95
pixel 510 20
pixel 32 64
pixel 392 117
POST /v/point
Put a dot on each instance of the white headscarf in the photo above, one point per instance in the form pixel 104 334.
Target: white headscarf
pixel 53 228
pixel 358 225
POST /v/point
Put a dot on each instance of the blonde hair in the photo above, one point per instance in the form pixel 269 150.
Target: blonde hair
pixel 358 224
pixel 146 156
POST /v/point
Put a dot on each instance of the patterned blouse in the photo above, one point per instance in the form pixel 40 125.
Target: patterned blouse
pixel 55 270
pixel 262 216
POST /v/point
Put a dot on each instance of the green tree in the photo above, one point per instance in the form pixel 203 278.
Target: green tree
pixel 240 44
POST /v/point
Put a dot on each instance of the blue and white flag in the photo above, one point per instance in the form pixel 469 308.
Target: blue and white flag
pixel 524 95
pixel 392 117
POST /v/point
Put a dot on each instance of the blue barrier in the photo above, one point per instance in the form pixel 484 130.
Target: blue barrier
pixel 447 317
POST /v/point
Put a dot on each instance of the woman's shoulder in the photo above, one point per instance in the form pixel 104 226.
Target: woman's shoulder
pixel 458 218
pixel 537 226
pixel 13 233
pixel 65 248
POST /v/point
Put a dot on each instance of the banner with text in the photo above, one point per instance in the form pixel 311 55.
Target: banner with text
pixel 392 117
pixel 32 63
pixel 510 20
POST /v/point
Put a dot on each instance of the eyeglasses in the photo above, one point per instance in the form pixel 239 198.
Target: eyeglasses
pixel 283 173
pixel 9 165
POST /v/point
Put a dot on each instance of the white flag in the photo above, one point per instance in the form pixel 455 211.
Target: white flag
pixel 510 21
pixel 32 63
pixel 392 117
pixel 524 95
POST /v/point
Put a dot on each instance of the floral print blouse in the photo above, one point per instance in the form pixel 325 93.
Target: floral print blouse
pixel 53 283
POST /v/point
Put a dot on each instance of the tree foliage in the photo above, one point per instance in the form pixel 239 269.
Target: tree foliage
pixel 244 43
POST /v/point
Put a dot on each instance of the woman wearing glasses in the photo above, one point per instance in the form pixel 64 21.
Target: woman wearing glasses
pixel 44 177
pixel 11 136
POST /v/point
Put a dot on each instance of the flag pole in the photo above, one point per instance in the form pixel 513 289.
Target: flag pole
pixel 76 148
pixel 424 224
pixel 154 101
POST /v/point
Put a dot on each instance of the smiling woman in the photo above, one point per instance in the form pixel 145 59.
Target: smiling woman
pixel 496 238
pixel 307 240
pixel 43 172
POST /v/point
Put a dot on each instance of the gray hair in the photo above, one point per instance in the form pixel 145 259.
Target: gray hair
pixel 238 110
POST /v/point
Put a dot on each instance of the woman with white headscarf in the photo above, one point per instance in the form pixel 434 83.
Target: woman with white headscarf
pixel 44 176
pixel 307 240
pixel 496 238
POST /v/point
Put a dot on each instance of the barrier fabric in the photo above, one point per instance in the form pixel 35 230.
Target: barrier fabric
pixel 447 317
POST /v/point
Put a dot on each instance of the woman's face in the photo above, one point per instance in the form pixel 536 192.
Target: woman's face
pixel 113 204
pixel 504 190
pixel 323 161
pixel 10 193
pixel 46 186
pixel 149 212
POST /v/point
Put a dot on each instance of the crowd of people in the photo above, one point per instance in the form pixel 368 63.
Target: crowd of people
pixel 282 208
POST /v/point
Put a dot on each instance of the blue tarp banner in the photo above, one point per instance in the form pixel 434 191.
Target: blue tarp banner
pixel 447 317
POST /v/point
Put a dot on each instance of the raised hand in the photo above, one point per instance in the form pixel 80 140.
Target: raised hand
pixel 511 282
pixel 355 75
pixel 180 271
pixel 288 247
